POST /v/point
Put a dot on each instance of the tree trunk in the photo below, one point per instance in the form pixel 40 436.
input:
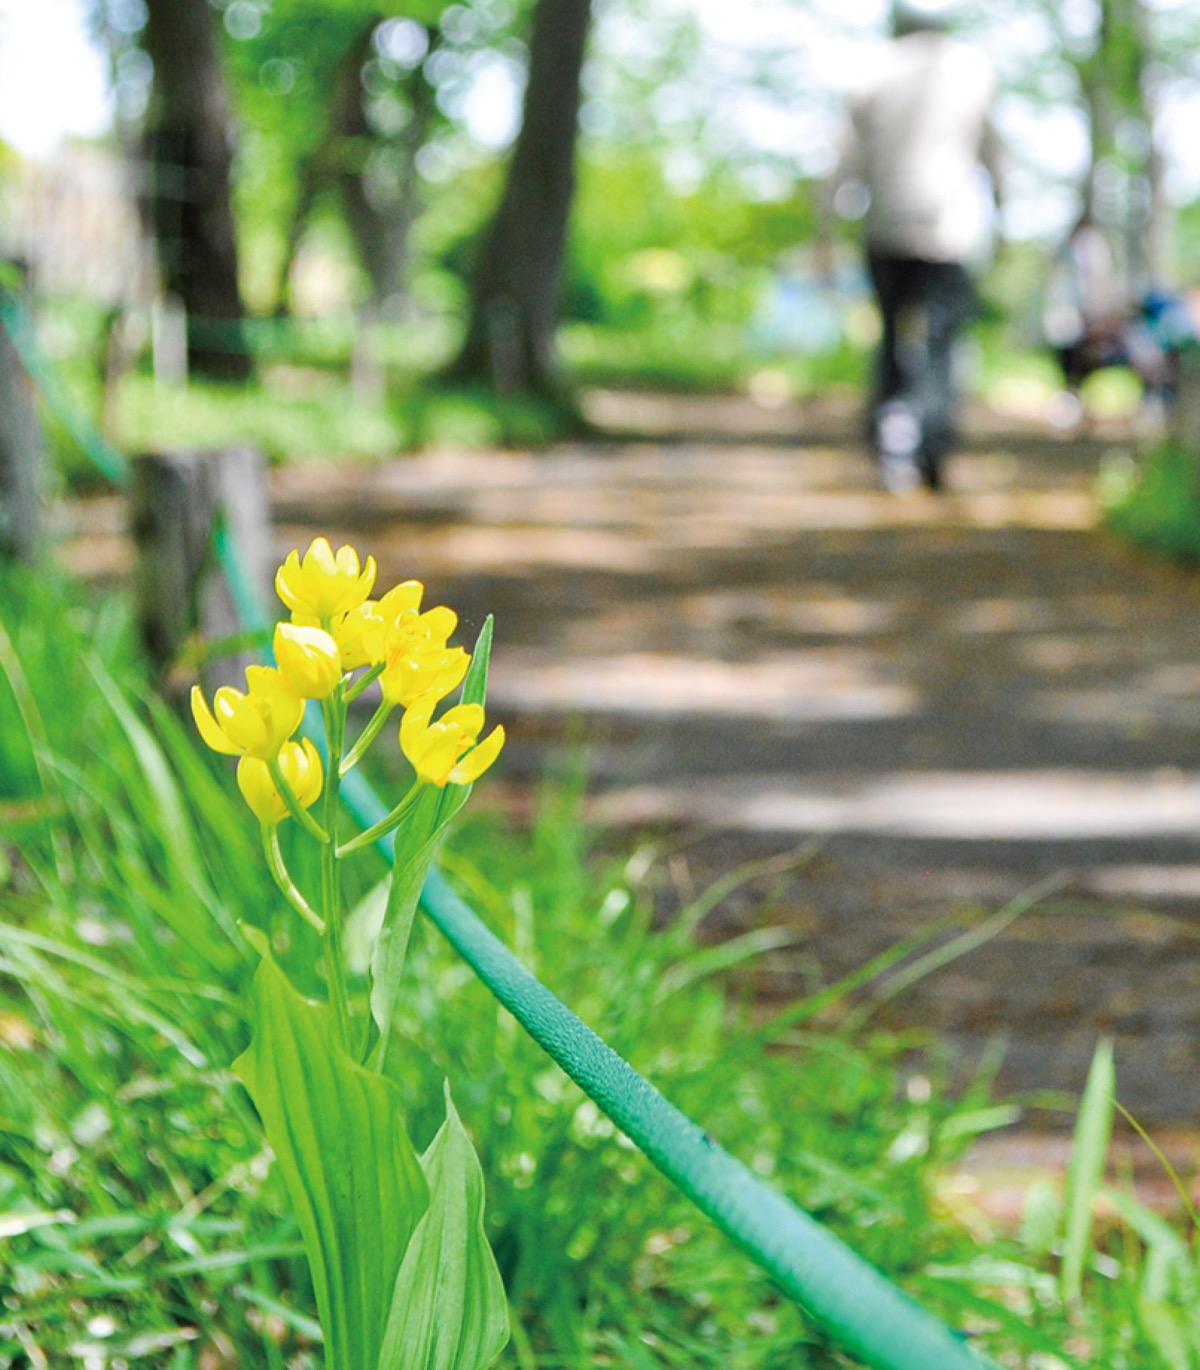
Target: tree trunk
pixel 380 220
pixel 514 305
pixel 189 153
pixel 1122 182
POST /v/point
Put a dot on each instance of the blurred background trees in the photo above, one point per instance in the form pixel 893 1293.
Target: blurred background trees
pixel 478 191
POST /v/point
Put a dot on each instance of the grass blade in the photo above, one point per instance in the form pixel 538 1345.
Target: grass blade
pixel 1085 1173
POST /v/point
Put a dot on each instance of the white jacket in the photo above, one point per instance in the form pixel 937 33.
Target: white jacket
pixel 920 132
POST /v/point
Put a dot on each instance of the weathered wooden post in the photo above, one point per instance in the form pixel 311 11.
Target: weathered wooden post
pixel 22 451
pixel 179 502
pixel 1185 420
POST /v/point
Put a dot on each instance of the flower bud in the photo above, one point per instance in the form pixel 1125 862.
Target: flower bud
pixel 300 763
pixel 310 661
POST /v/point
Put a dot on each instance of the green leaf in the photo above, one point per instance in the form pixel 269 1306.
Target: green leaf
pixel 354 1181
pixel 474 690
pixel 449 1311
pixel 1089 1151
pixel 1166 1331
pixel 415 846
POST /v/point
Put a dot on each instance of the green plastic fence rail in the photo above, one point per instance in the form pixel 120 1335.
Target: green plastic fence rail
pixel 856 1306
pixel 107 459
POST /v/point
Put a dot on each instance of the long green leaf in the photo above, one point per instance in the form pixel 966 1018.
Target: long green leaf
pixel 449 1310
pixel 1085 1173
pixel 354 1180
pixel 415 846
pixel 474 690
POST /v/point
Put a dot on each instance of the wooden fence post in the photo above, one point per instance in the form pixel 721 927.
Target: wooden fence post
pixel 22 456
pixel 1185 421
pixel 176 499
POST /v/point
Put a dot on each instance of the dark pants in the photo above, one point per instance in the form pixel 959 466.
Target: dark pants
pixel 925 306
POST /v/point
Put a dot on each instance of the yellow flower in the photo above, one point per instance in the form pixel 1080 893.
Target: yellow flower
pixel 401 604
pixel 423 670
pixel 256 723
pixel 324 584
pixel 300 763
pixel 448 750
pixel 357 634
pixel 416 658
pixel 309 659
pixel 361 633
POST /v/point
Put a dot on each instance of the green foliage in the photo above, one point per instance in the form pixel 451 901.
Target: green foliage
pixel 449 1311
pixel 403 1274
pixel 354 1181
pixel 1093 1132
pixel 1155 503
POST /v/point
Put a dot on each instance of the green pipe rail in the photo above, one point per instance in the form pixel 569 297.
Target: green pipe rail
pixel 852 1303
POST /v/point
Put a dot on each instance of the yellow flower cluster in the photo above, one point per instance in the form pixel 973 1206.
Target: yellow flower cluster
pixel 335 629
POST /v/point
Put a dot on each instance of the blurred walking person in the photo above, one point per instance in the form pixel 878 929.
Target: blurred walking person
pixel 1083 315
pixel 920 139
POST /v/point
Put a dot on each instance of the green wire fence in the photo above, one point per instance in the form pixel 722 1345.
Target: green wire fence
pixel 857 1307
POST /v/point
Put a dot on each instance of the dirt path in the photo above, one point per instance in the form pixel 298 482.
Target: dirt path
pixel 955 697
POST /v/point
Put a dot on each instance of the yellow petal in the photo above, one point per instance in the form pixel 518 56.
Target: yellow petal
pixel 359 635
pixel 258 790
pixel 401 599
pixel 468 717
pixel 210 729
pixel 476 761
pixel 319 558
pixel 440 749
pixel 415 723
pixel 364 585
pixel 437 624
pixel 288 580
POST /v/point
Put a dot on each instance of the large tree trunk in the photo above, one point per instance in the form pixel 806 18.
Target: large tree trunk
pixel 189 151
pixel 514 305
pixel 379 219
pixel 1124 181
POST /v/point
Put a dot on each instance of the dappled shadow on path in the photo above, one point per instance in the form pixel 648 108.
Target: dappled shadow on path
pixel 958 695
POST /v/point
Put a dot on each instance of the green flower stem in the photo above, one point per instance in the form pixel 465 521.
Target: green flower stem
pixel 384 826
pixel 366 737
pixel 334 709
pixel 270 837
pixel 364 680
pixel 294 806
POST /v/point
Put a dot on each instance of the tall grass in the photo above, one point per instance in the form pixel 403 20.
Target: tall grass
pixel 140 1219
